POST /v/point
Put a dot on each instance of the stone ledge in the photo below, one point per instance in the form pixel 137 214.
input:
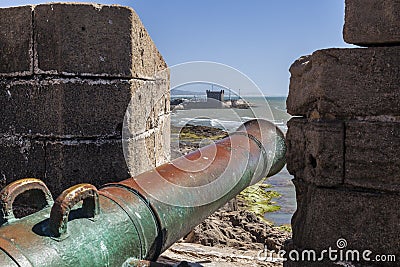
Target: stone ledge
pixel 77 40
pixel 93 40
pixel 372 22
pixel 346 83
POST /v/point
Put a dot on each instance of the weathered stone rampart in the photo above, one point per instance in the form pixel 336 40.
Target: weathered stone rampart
pixel 67 75
pixel 343 148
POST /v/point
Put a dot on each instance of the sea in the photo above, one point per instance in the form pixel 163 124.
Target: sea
pixel 229 119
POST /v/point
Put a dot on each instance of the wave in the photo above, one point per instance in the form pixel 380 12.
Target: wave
pixel 216 123
pixel 226 125
pixel 281 108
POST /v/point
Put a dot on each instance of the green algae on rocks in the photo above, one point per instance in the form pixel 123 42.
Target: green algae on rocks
pixel 258 200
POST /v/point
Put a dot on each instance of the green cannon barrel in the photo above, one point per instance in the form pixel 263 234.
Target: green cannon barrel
pixel 140 217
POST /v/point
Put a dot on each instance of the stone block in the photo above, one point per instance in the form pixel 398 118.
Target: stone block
pixel 16 51
pixel 20 158
pixel 372 22
pixel 366 220
pixel 315 151
pixel 96 162
pixel 63 163
pixel 138 158
pixel 149 149
pixel 162 140
pixel 346 83
pixel 372 155
pixel 73 107
pixel 149 102
pixel 93 40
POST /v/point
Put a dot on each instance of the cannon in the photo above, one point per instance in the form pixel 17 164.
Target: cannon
pixel 137 218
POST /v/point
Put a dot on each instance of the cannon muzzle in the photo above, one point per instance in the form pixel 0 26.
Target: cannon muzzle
pixel 139 217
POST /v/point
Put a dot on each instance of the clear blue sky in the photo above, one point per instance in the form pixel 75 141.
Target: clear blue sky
pixel 261 38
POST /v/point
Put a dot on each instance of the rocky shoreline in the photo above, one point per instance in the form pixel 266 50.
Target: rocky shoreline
pixel 236 234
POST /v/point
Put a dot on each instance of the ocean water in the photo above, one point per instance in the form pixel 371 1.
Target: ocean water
pixel 270 108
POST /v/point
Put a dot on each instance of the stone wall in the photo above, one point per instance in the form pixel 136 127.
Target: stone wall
pixel 67 75
pixel 343 148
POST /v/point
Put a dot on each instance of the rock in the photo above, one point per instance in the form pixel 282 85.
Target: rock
pixel 199 255
pixel 240 229
pixel 201 132
pixel 346 83
pixel 292 251
pixel 372 22
pixel 191 137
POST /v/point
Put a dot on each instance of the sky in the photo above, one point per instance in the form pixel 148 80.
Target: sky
pixel 260 38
